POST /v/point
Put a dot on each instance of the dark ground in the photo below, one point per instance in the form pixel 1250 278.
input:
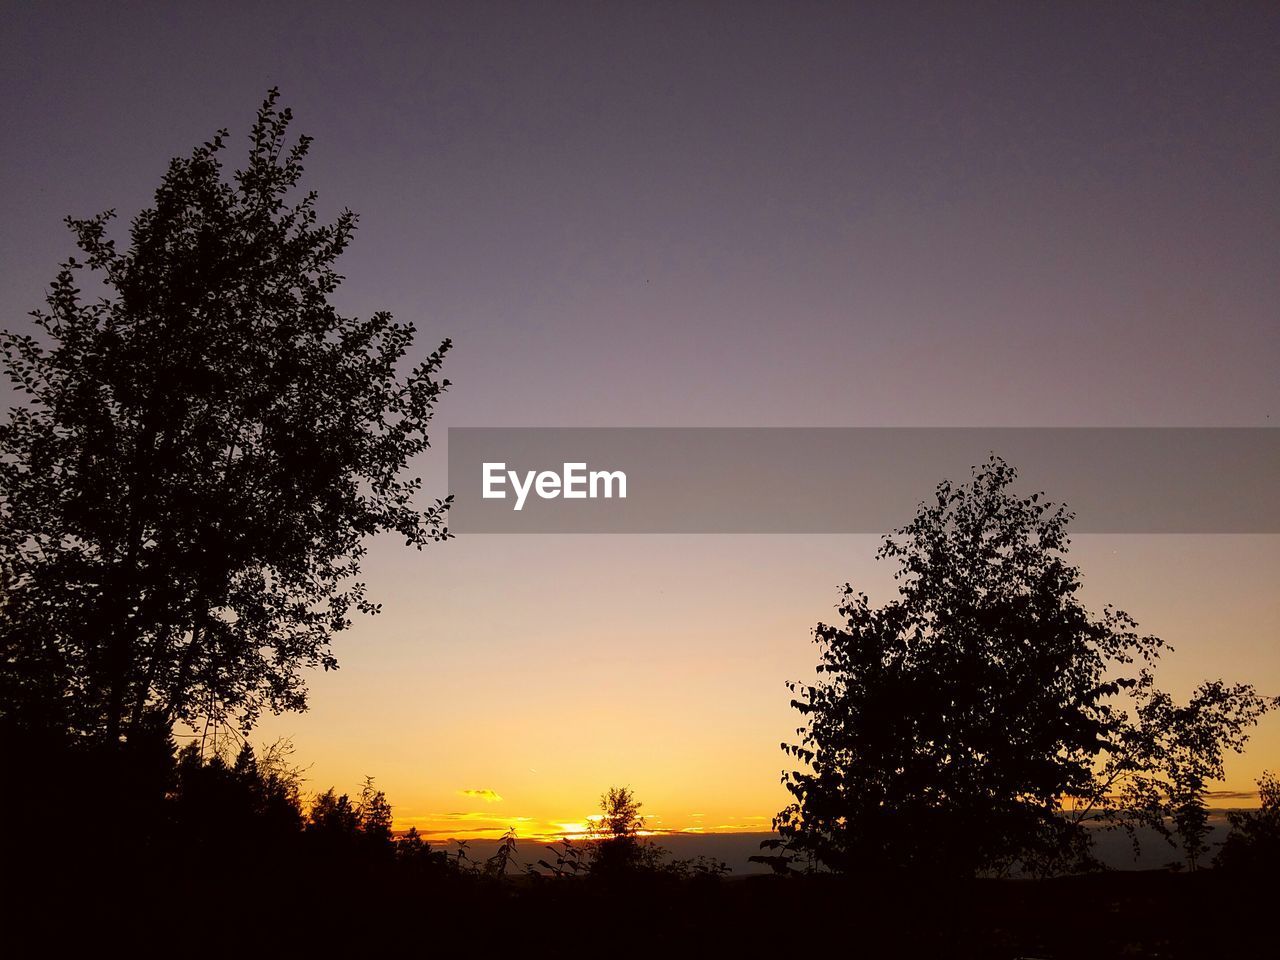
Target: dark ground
pixel 1129 914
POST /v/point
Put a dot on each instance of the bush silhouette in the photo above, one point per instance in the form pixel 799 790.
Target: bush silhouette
pixel 1253 845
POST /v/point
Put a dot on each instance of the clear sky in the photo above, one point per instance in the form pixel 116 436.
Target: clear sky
pixel 714 214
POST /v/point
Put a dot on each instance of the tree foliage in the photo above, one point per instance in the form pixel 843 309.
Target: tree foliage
pixel 617 850
pixel 619 814
pixel 615 847
pixel 347 828
pixel 249 806
pixel 1159 774
pixel 947 725
pixel 1253 845
pixel 186 494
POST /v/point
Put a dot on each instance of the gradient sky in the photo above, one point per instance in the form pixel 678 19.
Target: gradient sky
pixel 713 214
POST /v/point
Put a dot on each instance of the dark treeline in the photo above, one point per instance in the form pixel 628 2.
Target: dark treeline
pixel 176 850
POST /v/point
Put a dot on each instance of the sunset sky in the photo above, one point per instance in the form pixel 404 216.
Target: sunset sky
pixel 714 215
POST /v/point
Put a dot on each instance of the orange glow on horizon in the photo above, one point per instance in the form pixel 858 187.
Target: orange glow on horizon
pixel 446 828
pixel 512 680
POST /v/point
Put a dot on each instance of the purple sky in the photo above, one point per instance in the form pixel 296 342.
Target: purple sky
pixel 714 214
pixel 729 214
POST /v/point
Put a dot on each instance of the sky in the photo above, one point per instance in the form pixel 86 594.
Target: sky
pixel 703 214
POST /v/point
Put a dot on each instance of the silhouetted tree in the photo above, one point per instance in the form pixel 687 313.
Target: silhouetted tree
pixel 619 814
pixel 352 832
pixel 333 814
pixel 417 859
pixel 411 845
pixel 1253 845
pixel 185 497
pixel 374 813
pixel 229 813
pixel 1160 773
pixel 615 846
pixel 947 725
pixel 616 849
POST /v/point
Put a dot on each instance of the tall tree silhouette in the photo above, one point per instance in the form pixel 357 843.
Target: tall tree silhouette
pixel 186 495
pixel 946 725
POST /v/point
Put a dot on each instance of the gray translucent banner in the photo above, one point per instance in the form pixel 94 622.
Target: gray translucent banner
pixel 853 480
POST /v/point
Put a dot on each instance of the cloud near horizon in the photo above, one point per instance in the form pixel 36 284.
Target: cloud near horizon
pixel 487 795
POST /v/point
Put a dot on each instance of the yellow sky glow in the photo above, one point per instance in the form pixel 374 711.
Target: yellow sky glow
pixel 543 670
